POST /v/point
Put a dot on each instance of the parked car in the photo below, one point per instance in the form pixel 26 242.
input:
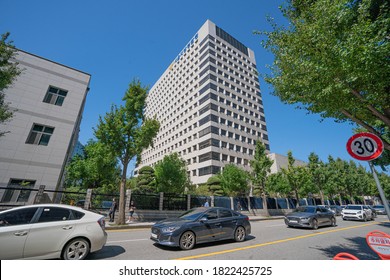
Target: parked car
pixel 310 217
pixel 374 212
pixel 334 208
pixel 357 212
pixel 49 231
pixel 200 225
pixel 380 209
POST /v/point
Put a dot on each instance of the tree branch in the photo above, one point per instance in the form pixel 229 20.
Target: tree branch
pixel 371 108
pixel 366 126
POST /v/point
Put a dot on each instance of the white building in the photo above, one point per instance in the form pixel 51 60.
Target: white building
pixel 281 161
pixel 48 101
pixel 209 105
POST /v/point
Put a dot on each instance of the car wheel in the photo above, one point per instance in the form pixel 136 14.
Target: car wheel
pixel 239 234
pixel 365 218
pixel 76 249
pixel 187 240
pixel 333 222
pixel 314 224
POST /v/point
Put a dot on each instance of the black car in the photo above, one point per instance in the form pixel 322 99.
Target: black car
pixel 200 225
pixel 310 217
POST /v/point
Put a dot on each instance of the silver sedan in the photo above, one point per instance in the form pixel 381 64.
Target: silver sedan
pixel 49 231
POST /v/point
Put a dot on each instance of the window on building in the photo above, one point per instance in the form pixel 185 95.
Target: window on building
pixel 18 190
pixel 40 135
pixel 55 96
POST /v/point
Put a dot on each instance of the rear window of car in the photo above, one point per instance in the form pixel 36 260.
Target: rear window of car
pixel 56 214
pixel 354 207
pixel 225 214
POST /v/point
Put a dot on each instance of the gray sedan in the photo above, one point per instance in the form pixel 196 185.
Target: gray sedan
pixel 200 225
pixel 310 217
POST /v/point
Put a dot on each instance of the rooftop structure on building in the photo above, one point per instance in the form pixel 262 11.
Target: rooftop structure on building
pixel 209 106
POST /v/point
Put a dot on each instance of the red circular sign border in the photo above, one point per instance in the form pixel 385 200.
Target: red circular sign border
pixel 369 135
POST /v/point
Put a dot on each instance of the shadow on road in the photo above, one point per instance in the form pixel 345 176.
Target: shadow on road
pixel 107 251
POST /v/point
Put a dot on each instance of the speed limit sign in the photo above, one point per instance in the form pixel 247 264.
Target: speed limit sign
pixel 365 146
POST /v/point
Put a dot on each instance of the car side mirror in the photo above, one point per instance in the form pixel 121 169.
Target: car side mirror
pixel 204 220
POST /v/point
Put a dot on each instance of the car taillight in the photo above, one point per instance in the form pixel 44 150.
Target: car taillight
pixel 102 223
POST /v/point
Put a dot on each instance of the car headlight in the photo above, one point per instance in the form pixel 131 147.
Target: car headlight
pixel 170 229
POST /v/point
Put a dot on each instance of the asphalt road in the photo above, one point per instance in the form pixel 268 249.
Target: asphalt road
pixel 270 240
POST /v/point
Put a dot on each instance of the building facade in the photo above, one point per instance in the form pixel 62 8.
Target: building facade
pixel 209 106
pixel 281 161
pixel 48 101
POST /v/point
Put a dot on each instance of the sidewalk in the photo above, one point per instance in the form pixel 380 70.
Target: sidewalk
pixel 145 225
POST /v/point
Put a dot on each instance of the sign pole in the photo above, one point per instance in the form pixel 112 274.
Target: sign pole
pixel 381 192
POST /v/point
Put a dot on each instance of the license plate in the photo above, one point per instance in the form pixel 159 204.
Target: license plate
pixel 154 235
pixel 293 221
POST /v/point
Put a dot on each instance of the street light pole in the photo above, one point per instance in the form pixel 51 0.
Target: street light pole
pixel 381 192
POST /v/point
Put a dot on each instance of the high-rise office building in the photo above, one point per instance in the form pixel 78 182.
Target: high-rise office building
pixel 48 101
pixel 209 106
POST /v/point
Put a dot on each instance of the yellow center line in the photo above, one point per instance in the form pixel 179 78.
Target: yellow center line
pixel 272 242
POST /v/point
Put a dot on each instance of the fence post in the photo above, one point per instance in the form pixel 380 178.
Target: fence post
pixel 39 195
pixel 188 201
pixel 161 204
pixel 249 203
pixel 88 197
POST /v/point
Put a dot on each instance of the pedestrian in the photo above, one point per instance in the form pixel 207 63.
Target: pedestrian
pixel 206 204
pixel 113 208
pixel 239 208
pixel 131 212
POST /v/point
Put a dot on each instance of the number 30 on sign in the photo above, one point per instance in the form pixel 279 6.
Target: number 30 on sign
pixel 365 146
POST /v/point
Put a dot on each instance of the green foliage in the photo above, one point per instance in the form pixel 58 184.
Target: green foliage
pixel 96 168
pixel 146 180
pixel 171 175
pixel 298 178
pixel 333 60
pixel 214 186
pixel 234 180
pixel 202 190
pixel 261 167
pixel 126 132
pixel 8 72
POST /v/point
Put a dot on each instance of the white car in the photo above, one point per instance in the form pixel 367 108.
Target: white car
pixel 357 212
pixel 49 231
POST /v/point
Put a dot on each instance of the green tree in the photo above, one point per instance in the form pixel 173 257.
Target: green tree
pixel 332 59
pixel 171 174
pixel 96 168
pixel 214 185
pixel 277 184
pixel 127 132
pixel 261 167
pixel 146 180
pixel 297 177
pixel 234 180
pixel 316 169
pixel 8 72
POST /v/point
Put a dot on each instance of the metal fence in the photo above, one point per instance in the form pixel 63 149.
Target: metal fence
pixel 91 199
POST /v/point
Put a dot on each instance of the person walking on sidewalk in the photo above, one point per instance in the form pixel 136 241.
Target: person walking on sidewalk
pixel 113 208
pixel 131 212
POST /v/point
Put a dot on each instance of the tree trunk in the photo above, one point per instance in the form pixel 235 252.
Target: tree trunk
pixel 122 196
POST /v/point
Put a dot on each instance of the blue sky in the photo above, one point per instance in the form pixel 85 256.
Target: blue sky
pixel 117 41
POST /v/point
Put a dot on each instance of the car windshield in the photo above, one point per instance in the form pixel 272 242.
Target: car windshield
pixel 306 209
pixel 354 207
pixel 192 215
pixel 379 206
